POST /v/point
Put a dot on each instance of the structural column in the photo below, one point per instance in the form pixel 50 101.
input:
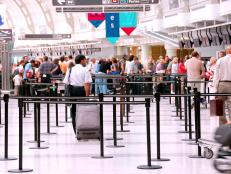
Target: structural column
pixel 146 53
pixel 171 51
pixel 120 50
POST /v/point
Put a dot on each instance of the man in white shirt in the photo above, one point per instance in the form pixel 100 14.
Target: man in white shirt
pixel 79 78
pixel 195 70
pixel 222 81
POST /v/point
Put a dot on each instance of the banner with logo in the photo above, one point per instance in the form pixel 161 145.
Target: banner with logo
pixel 96 19
pixel 112 27
pixel 128 22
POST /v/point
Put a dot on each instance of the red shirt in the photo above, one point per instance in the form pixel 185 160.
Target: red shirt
pixel 182 69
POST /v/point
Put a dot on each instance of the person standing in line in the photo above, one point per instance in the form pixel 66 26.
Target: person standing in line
pixel 80 80
pixel 174 71
pixel 195 70
pixel 63 65
pixel 70 61
pixel 222 82
pixel 17 82
pixel 45 70
pixel 221 54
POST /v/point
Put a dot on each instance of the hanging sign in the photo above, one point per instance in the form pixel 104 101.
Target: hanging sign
pixel 128 22
pixel 112 27
pixel 96 19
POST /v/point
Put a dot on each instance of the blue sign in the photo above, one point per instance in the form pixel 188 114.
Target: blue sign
pixel 1 20
pixel 112 27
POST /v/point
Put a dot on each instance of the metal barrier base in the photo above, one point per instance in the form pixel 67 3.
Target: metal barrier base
pixel 117 146
pixel 65 121
pixel 20 171
pixel 102 157
pixel 39 148
pixel 195 156
pixel 57 126
pixel 8 159
pixel 184 132
pixel 129 122
pixel 109 139
pixel 123 131
pixel 35 141
pixel 50 133
pixel 161 159
pixel 188 139
pixel 146 167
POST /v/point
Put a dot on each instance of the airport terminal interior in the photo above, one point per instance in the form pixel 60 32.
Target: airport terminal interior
pixel 115 86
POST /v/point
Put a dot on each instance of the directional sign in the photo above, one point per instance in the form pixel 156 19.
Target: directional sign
pixel 6 34
pixel 89 9
pixel 101 2
pixel 46 36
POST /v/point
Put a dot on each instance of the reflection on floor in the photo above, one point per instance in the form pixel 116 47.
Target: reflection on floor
pixel 66 155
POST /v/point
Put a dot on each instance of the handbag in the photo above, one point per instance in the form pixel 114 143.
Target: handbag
pixel 68 87
pixel 216 107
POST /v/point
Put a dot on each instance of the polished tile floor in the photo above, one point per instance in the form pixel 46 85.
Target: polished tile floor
pixel 66 155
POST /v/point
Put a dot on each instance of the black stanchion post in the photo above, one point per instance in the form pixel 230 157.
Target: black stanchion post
pixel 28 107
pixel 176 98
pixel 180 101
pixel 208 96
pixel 20 168
pixel 39 128
pixel 56 108
pixel 48 122
pixel 185 113
pixel 122 111
pixel 189 116
pixel 114 126
pixel 198 122
pixel 205 98
pixel 128 105
pixel 6 157
pixel 0 111
pixel 149 161
pixel 157 96
pixel 102 156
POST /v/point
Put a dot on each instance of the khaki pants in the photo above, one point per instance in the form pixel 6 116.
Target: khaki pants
pixel 194 85
pixel 225 87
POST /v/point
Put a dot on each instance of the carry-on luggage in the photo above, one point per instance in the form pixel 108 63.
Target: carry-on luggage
pixel 223 135
pixel 88 121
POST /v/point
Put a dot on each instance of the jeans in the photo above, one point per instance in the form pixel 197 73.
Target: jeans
pixel 101 88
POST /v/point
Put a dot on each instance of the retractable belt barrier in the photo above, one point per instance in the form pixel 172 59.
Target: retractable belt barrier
pixel 62 100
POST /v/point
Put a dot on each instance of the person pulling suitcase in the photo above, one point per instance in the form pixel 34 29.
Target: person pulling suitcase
pixel 79 79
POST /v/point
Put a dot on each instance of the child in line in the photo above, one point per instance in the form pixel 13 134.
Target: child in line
pixel 17 83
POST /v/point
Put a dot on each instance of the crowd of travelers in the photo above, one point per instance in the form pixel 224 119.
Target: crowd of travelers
pixel 80 70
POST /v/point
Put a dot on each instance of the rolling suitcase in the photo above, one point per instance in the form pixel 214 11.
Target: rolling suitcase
pixel 223 135
pixel 88 121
